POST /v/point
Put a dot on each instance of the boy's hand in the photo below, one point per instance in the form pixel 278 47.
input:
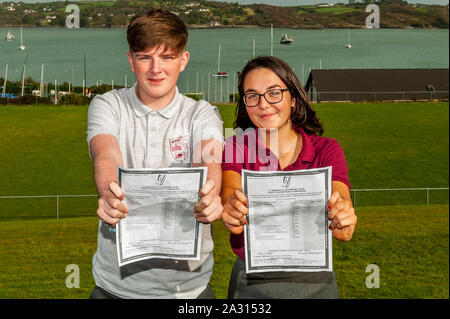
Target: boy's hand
pixel 209 208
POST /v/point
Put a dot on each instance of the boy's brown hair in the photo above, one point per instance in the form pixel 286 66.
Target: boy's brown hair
pixel 157 27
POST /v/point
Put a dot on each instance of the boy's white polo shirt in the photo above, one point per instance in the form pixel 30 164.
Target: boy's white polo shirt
pixel 152 139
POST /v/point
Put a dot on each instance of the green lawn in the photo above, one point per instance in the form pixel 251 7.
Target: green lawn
pixel 387 145
pixel 409 244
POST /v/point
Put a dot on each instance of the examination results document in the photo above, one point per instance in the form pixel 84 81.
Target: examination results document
pixel 160 221
pixel 287 220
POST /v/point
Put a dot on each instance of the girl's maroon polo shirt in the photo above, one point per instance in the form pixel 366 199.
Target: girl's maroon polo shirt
pixel 246 152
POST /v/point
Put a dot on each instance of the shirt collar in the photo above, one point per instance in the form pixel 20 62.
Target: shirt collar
pixel 172 108
pixel 140 109
pixel 307 153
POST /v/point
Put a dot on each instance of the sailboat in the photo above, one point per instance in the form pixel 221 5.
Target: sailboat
pixel 10 36
pixel 285 39
pixel 22 47
pixel 219 74
pixel 348 45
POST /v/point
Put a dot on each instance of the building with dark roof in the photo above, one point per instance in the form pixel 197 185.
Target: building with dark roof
pixel 377 84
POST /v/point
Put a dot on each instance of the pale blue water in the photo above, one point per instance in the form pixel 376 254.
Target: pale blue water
pixel 61 51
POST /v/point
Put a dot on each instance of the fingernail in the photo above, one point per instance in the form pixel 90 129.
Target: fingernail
pixel 329 207
pixel 330 227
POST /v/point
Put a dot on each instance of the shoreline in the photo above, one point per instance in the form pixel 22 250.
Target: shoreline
pixel 206 27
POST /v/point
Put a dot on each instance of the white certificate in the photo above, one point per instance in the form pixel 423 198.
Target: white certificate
pixel 287 220
pixel 160 221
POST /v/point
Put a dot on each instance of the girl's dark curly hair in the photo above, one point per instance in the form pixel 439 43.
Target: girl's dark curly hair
pixel 302 116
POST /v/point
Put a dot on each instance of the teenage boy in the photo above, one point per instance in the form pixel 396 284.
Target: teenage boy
pixel 152 125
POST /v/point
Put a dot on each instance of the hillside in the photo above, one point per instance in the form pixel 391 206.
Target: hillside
pixel 211 14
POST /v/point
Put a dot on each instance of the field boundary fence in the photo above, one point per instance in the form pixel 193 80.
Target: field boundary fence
pixel 360 197
pixel 56 199
pixel 417 200
pixel 359 96
pixel 217 95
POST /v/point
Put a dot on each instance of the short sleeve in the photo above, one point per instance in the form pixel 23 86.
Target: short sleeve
pixel 335 157
pixel 102 118
pixel 207 124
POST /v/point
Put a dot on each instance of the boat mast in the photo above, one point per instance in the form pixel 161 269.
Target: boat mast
pixel 84 76
pixel 253 47
pixel 271 39
pixel 4 84
pixel 21 41
pixel 218 61
pixel 41 85
pixel 23 75
pixel 23 80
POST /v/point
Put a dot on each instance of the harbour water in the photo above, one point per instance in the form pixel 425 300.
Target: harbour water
pixel 62 52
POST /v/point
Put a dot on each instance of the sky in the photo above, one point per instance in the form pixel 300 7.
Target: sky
pixel 273 2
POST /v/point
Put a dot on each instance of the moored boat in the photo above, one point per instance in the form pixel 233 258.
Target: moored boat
pixel 285 39
pixel 10 36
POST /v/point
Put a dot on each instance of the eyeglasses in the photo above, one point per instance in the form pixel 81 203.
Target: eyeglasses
pixel 271 96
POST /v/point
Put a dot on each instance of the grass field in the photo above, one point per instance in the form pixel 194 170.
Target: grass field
pixel 387 145
pixel 410 245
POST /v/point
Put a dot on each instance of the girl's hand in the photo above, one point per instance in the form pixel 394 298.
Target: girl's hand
pixel 234 211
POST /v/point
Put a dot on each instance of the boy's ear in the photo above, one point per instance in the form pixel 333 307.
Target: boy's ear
pixel 130 60
pixel 184 60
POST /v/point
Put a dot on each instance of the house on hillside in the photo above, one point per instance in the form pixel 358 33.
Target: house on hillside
pixel 377 84
pixel 324 5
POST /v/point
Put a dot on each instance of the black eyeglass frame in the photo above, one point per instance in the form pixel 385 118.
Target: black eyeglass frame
pixel 264 95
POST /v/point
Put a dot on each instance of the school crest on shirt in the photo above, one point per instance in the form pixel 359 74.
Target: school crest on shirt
pixel 179 148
